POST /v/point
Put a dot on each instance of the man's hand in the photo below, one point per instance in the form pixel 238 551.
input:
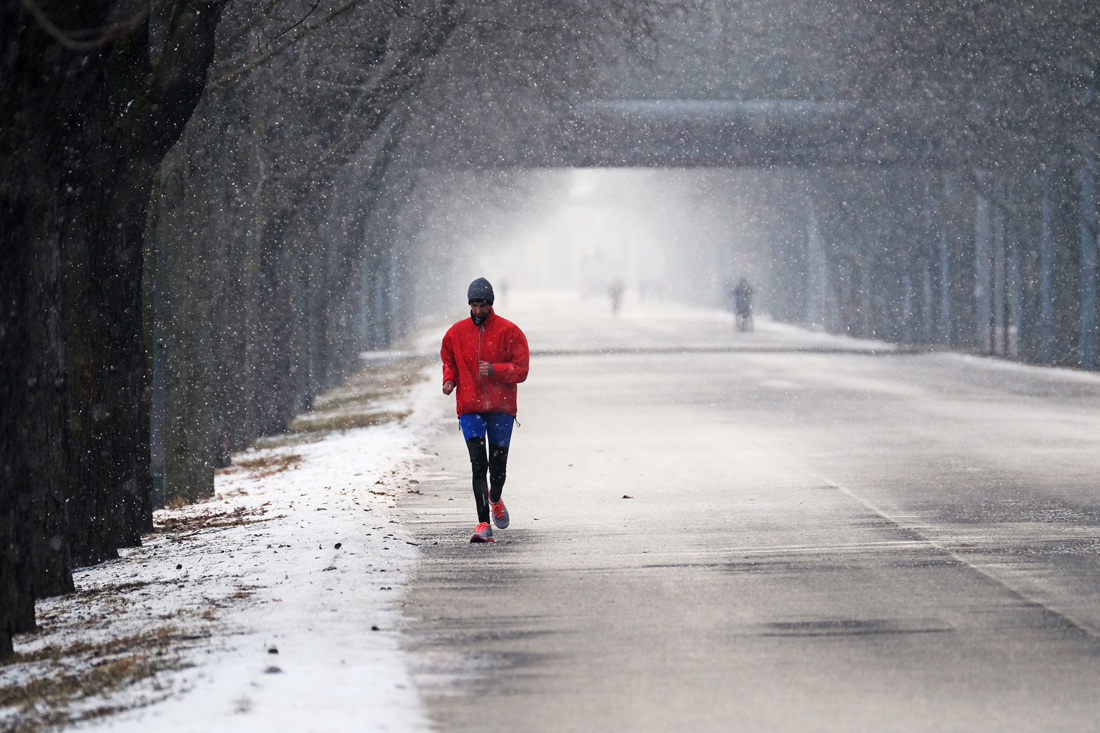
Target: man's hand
pixel 486 368
pixel 448 387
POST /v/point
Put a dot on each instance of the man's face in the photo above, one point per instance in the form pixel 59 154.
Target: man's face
pixel 479 308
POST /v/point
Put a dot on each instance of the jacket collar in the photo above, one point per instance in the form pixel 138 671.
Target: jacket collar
pixel 488 318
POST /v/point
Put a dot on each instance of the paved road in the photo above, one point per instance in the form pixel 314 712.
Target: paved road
pixel 815 542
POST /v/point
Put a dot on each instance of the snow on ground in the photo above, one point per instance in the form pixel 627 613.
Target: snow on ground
pixel 1042 371
pixel 563 322
pixel 272 606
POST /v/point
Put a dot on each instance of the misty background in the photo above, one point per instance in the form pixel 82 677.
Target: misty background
pixel 210 209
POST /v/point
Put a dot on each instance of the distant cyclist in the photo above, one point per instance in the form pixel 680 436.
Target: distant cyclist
pixel 742 305
pixel 485 357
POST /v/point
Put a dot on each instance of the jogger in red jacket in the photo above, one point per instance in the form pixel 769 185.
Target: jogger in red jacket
pixel 485 357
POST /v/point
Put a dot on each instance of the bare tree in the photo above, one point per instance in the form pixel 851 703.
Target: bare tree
pixel 291 181
pixel 88 115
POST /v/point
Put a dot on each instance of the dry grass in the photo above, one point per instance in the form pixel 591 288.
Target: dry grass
pixel 245 591
pixel 358 402
pixel 151 639
pixel 211 519
pixel 269 465
pixel 81 671
pixel 374 381
pixel 285 440
pixel 343 397
pixel 112 589
pixel 43 701
pixel 326 422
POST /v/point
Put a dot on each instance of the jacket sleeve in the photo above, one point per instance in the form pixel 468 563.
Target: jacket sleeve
pixel 450 369
pixel 514 371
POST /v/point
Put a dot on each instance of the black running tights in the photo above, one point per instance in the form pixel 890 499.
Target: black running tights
pixel 496 465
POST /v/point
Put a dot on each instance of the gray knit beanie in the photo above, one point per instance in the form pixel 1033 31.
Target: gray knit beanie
pixel 480 289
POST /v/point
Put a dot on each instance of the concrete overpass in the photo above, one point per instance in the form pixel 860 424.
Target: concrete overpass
pixel 992 256
pixel 726 133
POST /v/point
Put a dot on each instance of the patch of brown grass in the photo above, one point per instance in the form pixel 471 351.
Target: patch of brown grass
pixel 269 465
pixel 326 422
pixel 212 519
pixel 113 589
pixel 382 377
pixel 150 639
pixel 83 670
pixel 176 502
pixel 61 689
pixel 42 702
pixel 337 399
pixel 49 653
pixel 358 403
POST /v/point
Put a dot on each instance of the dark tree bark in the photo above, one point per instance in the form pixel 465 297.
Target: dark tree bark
pixel 1065 349
pixel 86 120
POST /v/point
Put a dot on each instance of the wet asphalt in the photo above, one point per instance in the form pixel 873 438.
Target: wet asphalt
pixel 813 542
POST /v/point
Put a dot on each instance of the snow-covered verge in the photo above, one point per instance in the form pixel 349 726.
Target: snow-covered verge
pixel 1042 371
pixel 271 606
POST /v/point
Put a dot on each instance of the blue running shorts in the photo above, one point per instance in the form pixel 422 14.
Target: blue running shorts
pixel 498 426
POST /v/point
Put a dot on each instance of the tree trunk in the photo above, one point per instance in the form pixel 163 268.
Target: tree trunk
pixel 85 124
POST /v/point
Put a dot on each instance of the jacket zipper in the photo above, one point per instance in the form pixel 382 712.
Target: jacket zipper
pixel 484 390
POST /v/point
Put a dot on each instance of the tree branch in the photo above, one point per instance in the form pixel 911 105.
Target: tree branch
pixel 301 20
pixel 264 57
pixel 102 37
pixel 245 27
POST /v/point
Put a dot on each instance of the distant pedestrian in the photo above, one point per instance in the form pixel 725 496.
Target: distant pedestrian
pixel 616 289
pixel 742 305
pixel 485 357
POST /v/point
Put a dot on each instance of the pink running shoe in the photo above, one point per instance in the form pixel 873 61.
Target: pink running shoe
pixel 483 533
pixel 500 514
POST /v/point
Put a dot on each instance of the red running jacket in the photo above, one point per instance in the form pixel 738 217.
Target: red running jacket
pixel 498 341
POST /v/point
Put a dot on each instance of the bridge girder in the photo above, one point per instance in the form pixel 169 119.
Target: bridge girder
pixel 729 133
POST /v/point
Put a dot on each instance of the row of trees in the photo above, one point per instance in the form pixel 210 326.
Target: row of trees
pixel 157 302
pixel 92 101
pixel 995 251
pixel 284 231
pixel 992 247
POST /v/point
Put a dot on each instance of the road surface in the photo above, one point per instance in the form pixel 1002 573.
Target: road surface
pixel 820 540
